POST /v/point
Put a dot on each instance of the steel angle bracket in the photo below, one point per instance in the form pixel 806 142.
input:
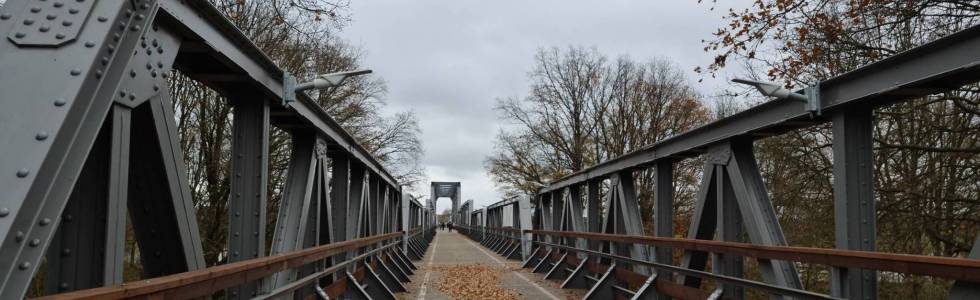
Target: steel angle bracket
pixel 813 99
pixel 288 89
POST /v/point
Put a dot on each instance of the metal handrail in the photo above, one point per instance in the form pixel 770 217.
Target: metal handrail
pixel 781 290
pixel 207 281
pixel 942 267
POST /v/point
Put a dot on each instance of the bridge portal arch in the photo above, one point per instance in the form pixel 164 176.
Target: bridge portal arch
pixel 451 190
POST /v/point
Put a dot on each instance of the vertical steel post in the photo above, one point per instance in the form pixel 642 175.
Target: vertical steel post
pixel 593 211
pixel 249 168
pixel 87 250
pixel 854 200
pixel 524 211
pixel 664 211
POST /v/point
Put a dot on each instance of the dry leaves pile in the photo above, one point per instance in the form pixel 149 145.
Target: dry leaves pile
pixel 473 282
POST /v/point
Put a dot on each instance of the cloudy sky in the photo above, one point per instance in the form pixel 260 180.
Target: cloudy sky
pixel 449 60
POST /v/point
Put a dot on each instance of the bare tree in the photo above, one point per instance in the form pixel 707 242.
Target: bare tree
pixel 584 109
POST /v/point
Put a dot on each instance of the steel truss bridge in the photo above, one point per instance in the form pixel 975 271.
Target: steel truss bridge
pixel 89 140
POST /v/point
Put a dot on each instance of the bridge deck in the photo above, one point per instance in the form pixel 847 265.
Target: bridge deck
pixel 452 253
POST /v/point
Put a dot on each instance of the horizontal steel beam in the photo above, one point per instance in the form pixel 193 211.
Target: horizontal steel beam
pixel 942 267
pixel 940 65
pixel 217 34
pixel 203 282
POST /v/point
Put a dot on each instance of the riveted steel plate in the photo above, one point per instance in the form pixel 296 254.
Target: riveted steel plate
pixel 720 154
pixel 147 70
pixel 50 23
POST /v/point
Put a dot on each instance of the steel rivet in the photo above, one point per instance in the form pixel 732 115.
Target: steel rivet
pixel 41 136
pixel 59 102
pixel 156 87
pixel 59 36
pixel 35 9
pixel 144 6
pixel 23 173
pixel 129 12
pixel 65 252
pixel 140 16
pixel 4 212
pixel 68 218
pixel 132 73
pixel 19 236
pixel 73 11
pixel 35 242
pixel 90 44
pixel 103 19
pixel 20 35
pixel 132 97
pixel 29 22
pixel 153 73
pixel 149 66
pixel 122 93
pixel 136 28
pixel 52 17
pixel 105 60
pixel 76 72
pixel 45 222
pixel 63 286
pixel 44 28
pixel 25 265
pixel 66 23
pixel 98 74
pixel 4 16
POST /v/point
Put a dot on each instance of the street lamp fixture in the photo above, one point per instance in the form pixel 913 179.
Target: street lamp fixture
pixel 290 87
pixel 811 96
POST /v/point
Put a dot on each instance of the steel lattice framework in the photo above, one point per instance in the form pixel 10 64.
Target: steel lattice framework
pixel 89 139
pixel 592 237
pixel 97 143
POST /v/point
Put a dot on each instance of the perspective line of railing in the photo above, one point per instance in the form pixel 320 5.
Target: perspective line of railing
pixel 204 282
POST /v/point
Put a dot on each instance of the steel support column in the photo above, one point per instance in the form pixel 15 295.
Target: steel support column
pixel 593 211
pixel 249 169
pixel 854 200
pixel 87 250
pixel 664 212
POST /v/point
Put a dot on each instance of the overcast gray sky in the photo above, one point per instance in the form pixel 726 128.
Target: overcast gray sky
pixel 449 60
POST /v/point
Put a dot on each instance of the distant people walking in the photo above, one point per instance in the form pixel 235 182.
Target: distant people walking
pixel 450 227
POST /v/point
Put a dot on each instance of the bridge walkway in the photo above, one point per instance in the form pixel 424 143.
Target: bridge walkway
pixel 455 267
